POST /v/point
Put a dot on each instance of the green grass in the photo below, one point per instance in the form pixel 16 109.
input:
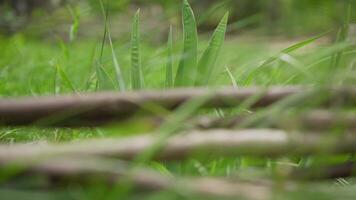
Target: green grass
pixel 34 68
pixel 187 68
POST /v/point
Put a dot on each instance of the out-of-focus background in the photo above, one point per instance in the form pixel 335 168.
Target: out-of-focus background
pixel 54 47
pixel 52 18
pixel 36 36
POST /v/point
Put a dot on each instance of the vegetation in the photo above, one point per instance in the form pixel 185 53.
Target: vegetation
pixel 30 66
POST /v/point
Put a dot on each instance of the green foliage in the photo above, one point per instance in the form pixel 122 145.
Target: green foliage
pixel 208 60
pixel 187 68
pixel 136 66
pixel 24 71
pixel 74 28
pixel 62 75
pixel 292 48
pixel 169 66
pixel 342 37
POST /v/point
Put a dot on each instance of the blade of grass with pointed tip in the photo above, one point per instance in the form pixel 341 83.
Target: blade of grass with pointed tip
pixel 231 76
pixel 104 80
pixel 75 25
pixel 208 60
pixel 119 78
pixel 169 66
pixel 293 48
pixel 187 68
pixel 136 68
pixel 287 50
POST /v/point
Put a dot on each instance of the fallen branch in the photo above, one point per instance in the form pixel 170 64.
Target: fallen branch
pixel 88 109
pixel 314 120
pixel 210 143
pixel 63 170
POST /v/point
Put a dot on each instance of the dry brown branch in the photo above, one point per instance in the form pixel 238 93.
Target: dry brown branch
pixel 62 170
pixel 87 109
pixel 315 120
pixel 210 143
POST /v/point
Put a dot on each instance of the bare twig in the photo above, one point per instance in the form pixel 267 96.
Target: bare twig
pixel 63 170
pixel 88 109
pixel 315 120
pixel 259 142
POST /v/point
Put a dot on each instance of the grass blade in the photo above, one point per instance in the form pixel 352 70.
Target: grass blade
pixel 104 80
pixel 231 76
pixel 119 78
pixel 136 68
pixel 169 67
pixel 208 60
pixel 187 68
pixel 342 37
pixel 293 48
pixel 74 28
pixel 285 51
pixel 63 75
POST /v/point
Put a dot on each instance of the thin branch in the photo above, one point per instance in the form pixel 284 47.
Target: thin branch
pixel 87 109
pixel 312 120
pixel 197 144
pixel 83 170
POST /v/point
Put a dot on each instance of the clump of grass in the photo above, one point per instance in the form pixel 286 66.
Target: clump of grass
pixel 189 72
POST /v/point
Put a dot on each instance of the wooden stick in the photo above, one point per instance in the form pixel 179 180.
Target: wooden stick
pixel 62 170
pixel 98 107
pixel 312 120
pixel 210 143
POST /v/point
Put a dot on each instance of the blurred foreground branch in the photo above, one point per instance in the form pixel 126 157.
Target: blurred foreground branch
pixel 88 109
pixel 314 120
pixel 103 171
pixel 197 144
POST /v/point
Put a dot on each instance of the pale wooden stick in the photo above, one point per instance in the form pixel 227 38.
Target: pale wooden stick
pixel 219 142
pixel 86 169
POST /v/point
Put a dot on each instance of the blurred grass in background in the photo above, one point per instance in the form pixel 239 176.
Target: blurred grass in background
pixel 51 49
pixel 282 17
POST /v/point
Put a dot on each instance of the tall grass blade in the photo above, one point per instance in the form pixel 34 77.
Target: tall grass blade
pixel 57 81
pixel 285 51
pixel 187 68
pixel 74 28
pixel 293 47
pixel 169 67
pixel 342 37
pixel 119 77
pixel 231 76
pixel 64 76
pixel 104 80
pixel 208 60
pixel 136 68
